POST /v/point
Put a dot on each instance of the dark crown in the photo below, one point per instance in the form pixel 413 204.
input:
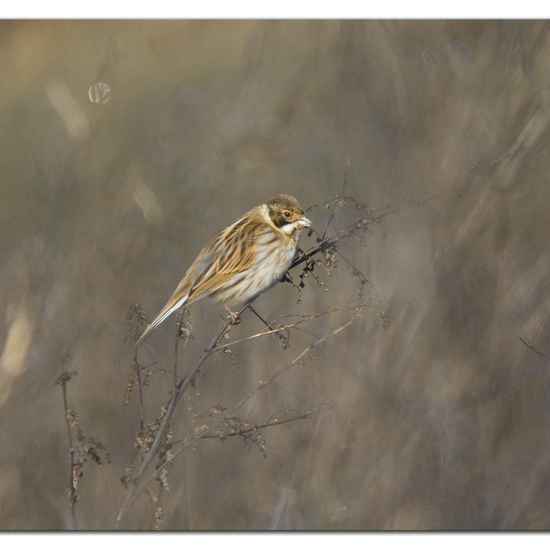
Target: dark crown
pixel 284 209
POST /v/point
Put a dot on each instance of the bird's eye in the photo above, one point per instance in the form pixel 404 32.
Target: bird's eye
pixel 287 214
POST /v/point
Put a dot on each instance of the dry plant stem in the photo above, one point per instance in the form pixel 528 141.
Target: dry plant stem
pixel 279 329
pixel 136 485
pixel 363 279
pixel 71 453
pixel 178 322
pixel 331 217
pixel 268 424
pixel 342 193
pixel 345 233
pixel 207 433
pixel 260 317
pixel 140 391
pixel 530 346
pixel 180 387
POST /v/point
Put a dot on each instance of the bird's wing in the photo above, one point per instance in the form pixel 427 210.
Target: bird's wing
pixel 176 301
pixel 229 254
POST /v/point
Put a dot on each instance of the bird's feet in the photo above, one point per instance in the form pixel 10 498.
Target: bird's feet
pixel 235 317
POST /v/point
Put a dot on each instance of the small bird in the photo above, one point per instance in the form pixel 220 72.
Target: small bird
pixel 244 260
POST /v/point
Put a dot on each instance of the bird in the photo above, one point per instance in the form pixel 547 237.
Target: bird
pixel 244 260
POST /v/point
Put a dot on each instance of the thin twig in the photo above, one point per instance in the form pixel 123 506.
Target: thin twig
pixel 270 424
pixel 135 484
pixel 342 194
pixel 179 320
pixel 304 319
pixel 245 399
pixel 140 390
pixel 347 232
pixel 530 346
pixel 62 381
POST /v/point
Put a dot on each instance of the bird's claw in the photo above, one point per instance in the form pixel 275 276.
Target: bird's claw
pixel 235 318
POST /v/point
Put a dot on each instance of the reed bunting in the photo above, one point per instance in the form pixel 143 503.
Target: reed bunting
pixel 244 260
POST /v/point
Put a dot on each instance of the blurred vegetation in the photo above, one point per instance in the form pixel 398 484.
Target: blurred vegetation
pixel 126 145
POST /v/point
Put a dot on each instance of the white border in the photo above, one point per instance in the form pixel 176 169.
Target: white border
pixel 282 9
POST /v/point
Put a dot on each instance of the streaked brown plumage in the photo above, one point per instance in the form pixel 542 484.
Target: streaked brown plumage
pixel 244 260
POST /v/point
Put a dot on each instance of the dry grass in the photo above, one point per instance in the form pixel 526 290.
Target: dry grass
pixel 441 417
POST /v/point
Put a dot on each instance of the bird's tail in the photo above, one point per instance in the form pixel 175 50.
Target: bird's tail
pixel 169 308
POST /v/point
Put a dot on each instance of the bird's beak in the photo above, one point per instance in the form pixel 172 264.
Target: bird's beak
pixel 303 221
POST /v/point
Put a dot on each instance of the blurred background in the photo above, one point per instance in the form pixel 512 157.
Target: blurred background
pixel 126 145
